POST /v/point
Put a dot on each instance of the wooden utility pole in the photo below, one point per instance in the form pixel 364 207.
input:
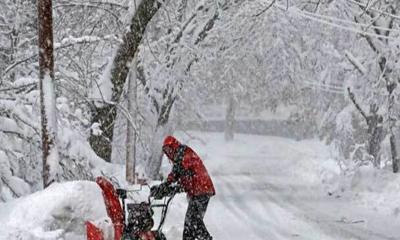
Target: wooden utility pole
pixel 47 92
pixel 130 146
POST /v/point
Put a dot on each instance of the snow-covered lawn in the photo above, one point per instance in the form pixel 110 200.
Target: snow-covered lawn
pixel 267 188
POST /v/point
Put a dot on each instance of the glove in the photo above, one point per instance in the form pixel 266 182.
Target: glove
pixel 160 191
pixel 153 191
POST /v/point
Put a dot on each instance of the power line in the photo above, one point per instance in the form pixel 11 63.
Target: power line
pixel 334 19
pixel 373 9
pixel 315 17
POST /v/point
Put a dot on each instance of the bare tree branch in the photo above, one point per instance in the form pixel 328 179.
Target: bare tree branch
pixel 353 99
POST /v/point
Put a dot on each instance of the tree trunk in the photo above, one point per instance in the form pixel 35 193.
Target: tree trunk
pixel 47 92
pixel 230 119
pixel 106 114
pixel 13 51
pixel 154 163
pixel 393 149
pixel 375 132
pixel 375 139
pixel 392 125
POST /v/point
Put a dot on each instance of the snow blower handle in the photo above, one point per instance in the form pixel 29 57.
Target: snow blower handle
pixel 122 194
pixel 160 191
pixel 168 195
pixel 165 189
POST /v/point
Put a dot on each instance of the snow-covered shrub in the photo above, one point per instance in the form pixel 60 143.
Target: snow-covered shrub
pixel 20 151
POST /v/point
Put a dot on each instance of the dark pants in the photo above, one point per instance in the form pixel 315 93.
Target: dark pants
pixel 194 226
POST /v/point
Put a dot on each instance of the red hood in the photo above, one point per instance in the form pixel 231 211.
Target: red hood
pixel 174 144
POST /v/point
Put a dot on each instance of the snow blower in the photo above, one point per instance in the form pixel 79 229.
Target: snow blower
pixel 138 223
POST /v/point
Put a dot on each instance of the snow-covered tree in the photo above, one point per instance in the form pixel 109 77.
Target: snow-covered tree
pixel 107 95
pixel 381 15
pixel 82 38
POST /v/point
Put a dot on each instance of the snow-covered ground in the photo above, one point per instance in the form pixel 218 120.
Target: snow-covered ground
pixel 267 188
pixel 55 213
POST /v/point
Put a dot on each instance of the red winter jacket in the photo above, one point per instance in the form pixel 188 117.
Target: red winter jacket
pixel 188 169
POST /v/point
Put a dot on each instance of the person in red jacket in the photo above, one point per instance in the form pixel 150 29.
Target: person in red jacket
pixel 190 173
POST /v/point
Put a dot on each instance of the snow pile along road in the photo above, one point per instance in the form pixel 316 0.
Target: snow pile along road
pixel 376 189
pixel 57 212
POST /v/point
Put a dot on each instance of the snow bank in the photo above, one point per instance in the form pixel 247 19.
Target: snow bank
pixel 58 212
pixel 376 189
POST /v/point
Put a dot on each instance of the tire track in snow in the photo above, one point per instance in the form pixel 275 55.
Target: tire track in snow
pixel 320 219
pixel 226 199
pixel 238 202
pixel 240 194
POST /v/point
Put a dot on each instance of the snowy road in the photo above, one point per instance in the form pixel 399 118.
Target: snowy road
pixel 264 192
pixel 264 209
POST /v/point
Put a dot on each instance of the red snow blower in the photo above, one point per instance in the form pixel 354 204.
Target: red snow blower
pixel 139 222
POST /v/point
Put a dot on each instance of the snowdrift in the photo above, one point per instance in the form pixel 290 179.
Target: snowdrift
pixel 376 189
pixel 57 212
